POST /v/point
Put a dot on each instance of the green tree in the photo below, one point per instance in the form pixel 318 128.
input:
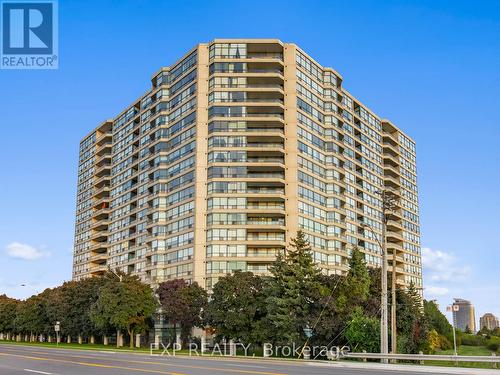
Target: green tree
pixel 182 304
pixel 329 323
pixel 363 332
pixel 293 292
pixel 237 308
pixel 411 323
pixel 125 305
pixel 8 308
pixel 31 315
pixel 355 287
pixel 437 322
pixel 72 304
pixel 346 295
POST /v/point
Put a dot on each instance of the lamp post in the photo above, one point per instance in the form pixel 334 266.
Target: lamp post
pixel 453 309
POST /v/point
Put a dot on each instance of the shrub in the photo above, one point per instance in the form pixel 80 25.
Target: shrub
pixel 493 344
pixel 473 340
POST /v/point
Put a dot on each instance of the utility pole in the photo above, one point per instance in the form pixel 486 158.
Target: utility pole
pixel 383 302
pixel 389 203
pixel 384 344
pixel 118 332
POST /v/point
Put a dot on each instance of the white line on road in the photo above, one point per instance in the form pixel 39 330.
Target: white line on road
pixel 252 366
pixel 38 372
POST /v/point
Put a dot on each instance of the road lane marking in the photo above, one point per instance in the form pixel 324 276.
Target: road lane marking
pixel 252 366
pixel 277 361
pixel 154 363
pixel 91 364
pixel 38 372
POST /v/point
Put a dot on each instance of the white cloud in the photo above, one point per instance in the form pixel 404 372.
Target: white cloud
pixel 25 251
pixel 436 291
pixel 441 266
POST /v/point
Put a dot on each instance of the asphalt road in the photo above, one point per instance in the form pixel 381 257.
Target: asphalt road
pixel 26 360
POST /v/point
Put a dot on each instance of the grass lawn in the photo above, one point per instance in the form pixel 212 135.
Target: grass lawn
pixel 465 350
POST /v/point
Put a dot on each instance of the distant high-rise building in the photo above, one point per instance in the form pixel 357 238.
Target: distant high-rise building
pixel 488 321
pixel 464 316
pixel 234 148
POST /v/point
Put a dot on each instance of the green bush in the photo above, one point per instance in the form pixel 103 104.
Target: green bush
pixel 473 340
pixel 493 344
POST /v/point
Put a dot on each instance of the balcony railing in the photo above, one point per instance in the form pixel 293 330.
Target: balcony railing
pixel 265 160
pixel 263 206
pixel 265 55
pixel 266 222
pixel 249 100
pixel 279 115
pixel 265 145
pixel 265 238
pixel 249 86
pixel 266 191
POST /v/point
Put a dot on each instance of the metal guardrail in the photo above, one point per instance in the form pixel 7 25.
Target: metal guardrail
pixel 422 357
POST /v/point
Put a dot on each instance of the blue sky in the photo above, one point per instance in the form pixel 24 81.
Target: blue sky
pixel 429 66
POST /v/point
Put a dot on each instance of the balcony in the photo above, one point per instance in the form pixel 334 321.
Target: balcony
pixel 100 225
pixel 265 190
pixel 103 169
pixel 264 86
pixel 251 115
pixel 264 55
pixel 392 148
pixel 391 136
pixel 395 235
pixel 250 100
pixel 394 170
pixel 99 258
pixel 101 203
pixel 266 175
pixel 103 139
pixel 391 158
pixel 100 213
pixel 265 222
pixel 394 224
pixel 393 180
pixel 98 269
pixel 98 191
pixel 264 145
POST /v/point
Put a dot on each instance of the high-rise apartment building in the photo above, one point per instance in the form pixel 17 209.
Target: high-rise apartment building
pixel 488 321
pixel 464 315
pixel 234 148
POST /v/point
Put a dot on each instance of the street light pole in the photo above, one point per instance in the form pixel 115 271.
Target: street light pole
pixel 453 308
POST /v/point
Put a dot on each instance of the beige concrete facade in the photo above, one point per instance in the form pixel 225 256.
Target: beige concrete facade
pixel 237 146
pixel 488 321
